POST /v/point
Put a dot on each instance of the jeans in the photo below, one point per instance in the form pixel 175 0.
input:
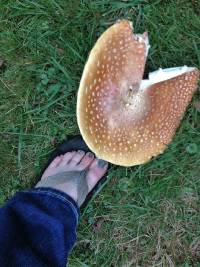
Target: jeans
pixel 38 228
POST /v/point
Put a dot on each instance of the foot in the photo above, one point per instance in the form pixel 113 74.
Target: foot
pixel 76 161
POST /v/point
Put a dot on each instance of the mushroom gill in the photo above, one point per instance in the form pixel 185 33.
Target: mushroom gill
pixel 122 118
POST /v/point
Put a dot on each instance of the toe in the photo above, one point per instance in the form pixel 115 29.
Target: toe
pixel 55 162
pixel 53 165
pixel 77 158
pixel 67 157
pixel 96 171
pixel 86 161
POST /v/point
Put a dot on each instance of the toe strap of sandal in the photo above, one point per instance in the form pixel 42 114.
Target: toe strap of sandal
pixel 77 179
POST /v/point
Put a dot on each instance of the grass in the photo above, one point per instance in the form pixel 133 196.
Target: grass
pixel 146 215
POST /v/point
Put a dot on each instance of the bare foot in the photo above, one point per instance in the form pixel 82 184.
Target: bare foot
pixel 76 161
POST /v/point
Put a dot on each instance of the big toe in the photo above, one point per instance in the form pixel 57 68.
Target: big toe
pixel 96 171
pixel 52 166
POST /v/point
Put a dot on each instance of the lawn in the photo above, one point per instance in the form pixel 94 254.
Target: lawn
pixel 147 215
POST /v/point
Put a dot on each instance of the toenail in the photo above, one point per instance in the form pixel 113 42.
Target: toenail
pixel 90 155
pixel 102 163
pixel 81 152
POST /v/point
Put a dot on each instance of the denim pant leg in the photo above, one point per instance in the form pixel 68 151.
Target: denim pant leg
pixel 38 228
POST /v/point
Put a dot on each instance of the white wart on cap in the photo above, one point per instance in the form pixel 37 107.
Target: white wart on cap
pixel 123 119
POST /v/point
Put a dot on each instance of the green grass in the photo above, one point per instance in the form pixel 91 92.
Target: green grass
pixel 146 215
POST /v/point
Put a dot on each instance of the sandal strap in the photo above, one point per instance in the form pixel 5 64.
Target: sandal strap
pixel 76 178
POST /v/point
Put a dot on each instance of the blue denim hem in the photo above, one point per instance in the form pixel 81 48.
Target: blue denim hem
pixel 59 195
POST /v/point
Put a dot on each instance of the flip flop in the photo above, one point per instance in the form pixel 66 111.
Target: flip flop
pixel 74 144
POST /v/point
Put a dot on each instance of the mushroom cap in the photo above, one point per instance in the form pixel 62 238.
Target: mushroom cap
pixel 123 119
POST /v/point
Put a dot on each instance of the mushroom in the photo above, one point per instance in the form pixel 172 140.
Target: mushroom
pixel 123 119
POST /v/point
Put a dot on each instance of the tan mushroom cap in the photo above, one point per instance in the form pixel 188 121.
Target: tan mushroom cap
pixel 122 119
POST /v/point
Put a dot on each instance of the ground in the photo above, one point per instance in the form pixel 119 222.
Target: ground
pixel 146 215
